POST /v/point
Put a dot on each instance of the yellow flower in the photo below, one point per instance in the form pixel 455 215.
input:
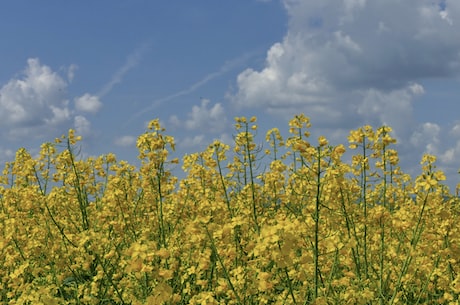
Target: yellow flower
pixel 264 282
pixel 163 253
pixel 322 141
pixel 166 274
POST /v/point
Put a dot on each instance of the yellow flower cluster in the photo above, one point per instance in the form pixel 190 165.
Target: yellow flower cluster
pixel 294 225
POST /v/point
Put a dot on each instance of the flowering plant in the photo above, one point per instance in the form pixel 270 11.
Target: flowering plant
pixel 309 228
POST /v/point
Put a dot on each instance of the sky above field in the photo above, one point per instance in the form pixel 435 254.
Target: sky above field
pixel 106 68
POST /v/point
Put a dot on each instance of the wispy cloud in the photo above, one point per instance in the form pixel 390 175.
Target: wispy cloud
pixel 125 141
pixel 132 61
pixel 225 68
pixel 92 103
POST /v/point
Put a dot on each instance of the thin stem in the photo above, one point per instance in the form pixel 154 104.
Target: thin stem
pixel 317 208
pixel 226 273
pixel 251 176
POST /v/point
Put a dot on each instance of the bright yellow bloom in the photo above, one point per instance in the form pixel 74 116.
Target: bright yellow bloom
pixel 247 229
pixel 322 141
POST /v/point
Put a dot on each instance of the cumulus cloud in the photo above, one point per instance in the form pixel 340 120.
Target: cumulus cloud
pixel 347 63
pixel 426 135
pixel 88 103
pixel 203 122
pixel 335 51
pixel 33 103
pixel 441 141
pixel 197 141
pixel 204 117
pixel 82 125
pixel 71 72
pixel 393 108
pixel 455 130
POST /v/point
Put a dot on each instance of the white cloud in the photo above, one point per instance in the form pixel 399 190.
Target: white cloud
pixel 82 126
pixel 345 43
pixel 71 72
pixel 200 142
pixel 442 142
pixel 195 142
pixel 226 139
pixel 60 115
pixel 346 63
pixel 455 130
pixel 175 121
pixel 392 107
pixel 225 68
pixel 335 47
pixel 6 155
pixel 449 156
pixel 125 141
pixel 427 135
pixel 33 103
pixel 88 103
pixel 204 117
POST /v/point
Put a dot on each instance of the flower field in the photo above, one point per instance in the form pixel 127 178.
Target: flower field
pixel 284 222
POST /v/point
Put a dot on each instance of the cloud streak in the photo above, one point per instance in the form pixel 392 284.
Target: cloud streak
pixel 132 61
pixel 225 68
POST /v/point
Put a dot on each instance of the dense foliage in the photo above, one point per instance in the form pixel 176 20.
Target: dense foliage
pixel 289 222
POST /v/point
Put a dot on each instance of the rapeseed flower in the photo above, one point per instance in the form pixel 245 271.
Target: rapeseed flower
pixel 303 227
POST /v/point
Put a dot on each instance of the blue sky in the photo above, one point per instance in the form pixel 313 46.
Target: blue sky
pixel 105 68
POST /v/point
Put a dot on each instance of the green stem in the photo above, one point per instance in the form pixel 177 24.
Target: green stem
pixel 160 205
pixel 415 239
pixel 224 188
pixel 288 278
pixel 317 208
pixel 81 193
pixel 349 224
pixel 251 176
pixel 364 201
pixel 381 260
pixel 226 273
